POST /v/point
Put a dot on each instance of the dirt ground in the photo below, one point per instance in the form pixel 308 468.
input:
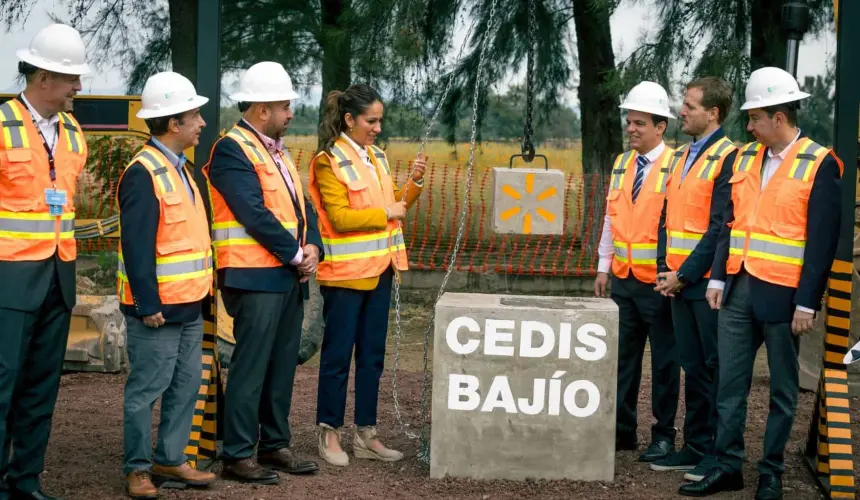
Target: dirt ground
pixel 85 454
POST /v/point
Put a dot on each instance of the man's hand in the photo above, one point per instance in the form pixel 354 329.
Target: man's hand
pixel 802 322
pixel 714 297
pixel 418 168
pixel 154 321
pixel 310 260
pixel 396 210
pixel 600 284
pixel 668 284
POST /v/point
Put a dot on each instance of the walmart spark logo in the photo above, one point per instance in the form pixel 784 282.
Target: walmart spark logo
pixel 541 212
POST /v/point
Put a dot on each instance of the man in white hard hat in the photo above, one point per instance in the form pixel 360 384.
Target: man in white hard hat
pixel 769 273
pixel 628 247
pixel 266 246
pixel 42 152
pixel 165 272
pixel 697 194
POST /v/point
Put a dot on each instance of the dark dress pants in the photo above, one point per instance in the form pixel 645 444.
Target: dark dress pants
pixel 645 315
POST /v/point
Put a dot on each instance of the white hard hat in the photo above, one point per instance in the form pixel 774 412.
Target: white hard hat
pixel 770 86
pixel 58 48
pixel 648 97
pixel 265 82
pixel 167 94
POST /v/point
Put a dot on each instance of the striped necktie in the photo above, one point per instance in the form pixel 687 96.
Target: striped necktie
pixel 641 161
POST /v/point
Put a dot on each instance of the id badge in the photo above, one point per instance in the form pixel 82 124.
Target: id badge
pixel 55 199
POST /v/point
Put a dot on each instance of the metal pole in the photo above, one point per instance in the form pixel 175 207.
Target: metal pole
pixel 795 22
pixel 847 117
pixel 208 83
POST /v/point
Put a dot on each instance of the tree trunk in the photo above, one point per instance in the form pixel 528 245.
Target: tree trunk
pixel 768 42
pixel 601 119
pixel 183 38
pixel 336 48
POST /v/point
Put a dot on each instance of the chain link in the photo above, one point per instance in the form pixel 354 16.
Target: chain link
pixel 398 335
pixel 528 149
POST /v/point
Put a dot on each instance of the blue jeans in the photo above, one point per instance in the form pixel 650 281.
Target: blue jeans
pixel 353 318
pixel 165 362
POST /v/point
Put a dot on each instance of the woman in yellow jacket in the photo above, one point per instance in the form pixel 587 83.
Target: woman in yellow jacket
pixel 360 209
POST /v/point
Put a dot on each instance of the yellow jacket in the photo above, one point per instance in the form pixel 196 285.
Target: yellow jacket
pixel 335 199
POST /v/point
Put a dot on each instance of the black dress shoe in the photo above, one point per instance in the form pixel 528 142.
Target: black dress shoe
pixel 769 488
pixel 248 470
pixel 34 495
pixel 657 450
pixel 285 460
pixel 715 481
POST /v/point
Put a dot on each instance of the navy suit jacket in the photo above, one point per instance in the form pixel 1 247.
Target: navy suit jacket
pixel 233 175
pixel 139 217
pixel 775 303
pixel 699 261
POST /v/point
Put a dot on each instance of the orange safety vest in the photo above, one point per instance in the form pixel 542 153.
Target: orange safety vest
pixel 358 254
pixel 183 262
pixel 688 202
pixel 634 226
pixel 234 247
pixel 28 232
pixel 768 235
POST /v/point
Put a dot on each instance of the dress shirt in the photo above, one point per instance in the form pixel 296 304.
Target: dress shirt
pixel 177 161
pixel 771 164
pixel 275 149
pixel 695 147
pixel 362 153
pixel 606 249
pixel 48 126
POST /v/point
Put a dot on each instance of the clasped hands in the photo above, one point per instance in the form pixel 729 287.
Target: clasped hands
pixel 310 261
pixel 668 284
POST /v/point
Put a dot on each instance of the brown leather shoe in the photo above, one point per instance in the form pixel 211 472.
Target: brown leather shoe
pixel 184 474
pixel 249 471
pixel 139 486
pixel 285 460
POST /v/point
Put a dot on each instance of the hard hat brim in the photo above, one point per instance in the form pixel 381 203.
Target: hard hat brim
pixel 273 97
pixel 764 103
pixel 72 69
pixel 194 103
pixel 648 109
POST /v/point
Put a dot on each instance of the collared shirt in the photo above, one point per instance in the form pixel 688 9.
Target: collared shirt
pixel 771 164
pixel 606 249
pixel 177 161
pixel 274 147
pixel 48 126
pixel 695 147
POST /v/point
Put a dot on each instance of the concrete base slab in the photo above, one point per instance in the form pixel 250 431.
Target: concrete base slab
pixel 528 201
pixel 524 387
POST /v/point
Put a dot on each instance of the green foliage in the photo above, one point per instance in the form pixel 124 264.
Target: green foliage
pixel 816 113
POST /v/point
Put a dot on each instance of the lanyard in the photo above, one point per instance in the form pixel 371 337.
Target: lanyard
pixel 52 172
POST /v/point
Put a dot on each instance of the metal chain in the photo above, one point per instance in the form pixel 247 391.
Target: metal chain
pixel 398 336
pixel 528 149
pixel 424 454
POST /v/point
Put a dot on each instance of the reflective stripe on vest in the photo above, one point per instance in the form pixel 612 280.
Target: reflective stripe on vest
pixel 620 168
pixel 12 121
pixel 747 157
pixel 768 247
pixel 233 233
pixel 69 131
pixel 35 226
pixel 383 161
pixel 801 167
pixel 681 243
pixel 242 136
pixel 182 267
pixel 709 169
pixel 640 253
pixel 345 164
pixel 363 246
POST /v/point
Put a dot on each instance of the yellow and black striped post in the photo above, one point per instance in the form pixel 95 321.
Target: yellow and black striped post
pixel 828 448
pixel 201 449
pixel 829 451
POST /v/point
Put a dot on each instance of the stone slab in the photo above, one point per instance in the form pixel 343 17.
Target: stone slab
pixel 492 354
pixel 528 201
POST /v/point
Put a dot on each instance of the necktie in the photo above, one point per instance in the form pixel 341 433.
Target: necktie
pixel 641 161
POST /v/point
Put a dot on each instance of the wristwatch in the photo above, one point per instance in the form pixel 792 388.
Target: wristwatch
pixel 681 278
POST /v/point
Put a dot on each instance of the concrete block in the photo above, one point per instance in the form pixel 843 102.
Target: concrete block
pixel 524 387
pixel 528 201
